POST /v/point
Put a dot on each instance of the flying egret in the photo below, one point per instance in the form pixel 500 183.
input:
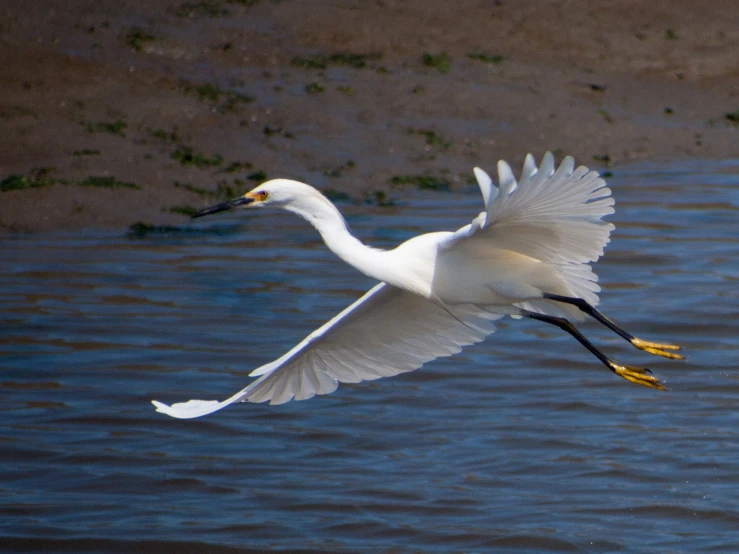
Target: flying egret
pixel 527 254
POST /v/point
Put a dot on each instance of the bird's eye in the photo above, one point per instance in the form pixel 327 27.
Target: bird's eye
pixel 263 194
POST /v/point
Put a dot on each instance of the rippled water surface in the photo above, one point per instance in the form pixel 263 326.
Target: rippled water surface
pixel 523 443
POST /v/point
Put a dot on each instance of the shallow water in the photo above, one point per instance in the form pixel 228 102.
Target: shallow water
pixel 523 443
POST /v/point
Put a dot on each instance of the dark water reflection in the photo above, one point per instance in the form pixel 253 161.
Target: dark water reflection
pixel 520 444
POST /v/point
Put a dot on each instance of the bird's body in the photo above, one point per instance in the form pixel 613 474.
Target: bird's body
pixel 527 254
pixel 466 274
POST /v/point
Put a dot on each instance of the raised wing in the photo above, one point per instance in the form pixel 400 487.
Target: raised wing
pixel 386 332
pixel 551 215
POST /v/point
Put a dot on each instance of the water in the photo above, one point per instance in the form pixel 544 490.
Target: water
pixel 523 443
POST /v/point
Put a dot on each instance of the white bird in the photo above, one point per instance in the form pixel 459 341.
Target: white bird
pixel 527 254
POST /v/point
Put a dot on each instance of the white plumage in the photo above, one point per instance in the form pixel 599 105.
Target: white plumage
pixel 442 291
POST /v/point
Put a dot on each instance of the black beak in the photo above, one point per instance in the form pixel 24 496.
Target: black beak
pixel 240 201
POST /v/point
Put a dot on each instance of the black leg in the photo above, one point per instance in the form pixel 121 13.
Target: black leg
pixel 658 349
pixel 641 376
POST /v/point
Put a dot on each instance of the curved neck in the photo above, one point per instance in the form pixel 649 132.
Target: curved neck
pixel 328 221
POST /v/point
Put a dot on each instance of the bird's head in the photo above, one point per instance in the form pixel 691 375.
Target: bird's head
pixel 278 193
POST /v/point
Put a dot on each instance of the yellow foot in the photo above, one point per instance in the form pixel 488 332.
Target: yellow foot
pixel 657 348
pixel 638 375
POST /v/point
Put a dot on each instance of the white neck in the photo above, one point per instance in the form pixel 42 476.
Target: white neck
pixel 323 215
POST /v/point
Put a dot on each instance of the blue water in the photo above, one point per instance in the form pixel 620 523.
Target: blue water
pixel 523 443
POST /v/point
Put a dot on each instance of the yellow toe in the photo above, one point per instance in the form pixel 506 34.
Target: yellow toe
pixel 660 352
pixel 658 349
pixel 638 375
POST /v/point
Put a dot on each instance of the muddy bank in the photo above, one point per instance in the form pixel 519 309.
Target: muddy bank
pixel 118 112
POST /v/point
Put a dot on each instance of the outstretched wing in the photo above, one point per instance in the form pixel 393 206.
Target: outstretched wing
pixel 551 215
pixel 386 332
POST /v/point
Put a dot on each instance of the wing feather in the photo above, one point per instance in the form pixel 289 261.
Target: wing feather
pixel 551 214
pixel 507 181
pixel 489 192
pixel 386 332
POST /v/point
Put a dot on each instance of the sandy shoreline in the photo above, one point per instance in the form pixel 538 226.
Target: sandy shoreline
pixel 116 113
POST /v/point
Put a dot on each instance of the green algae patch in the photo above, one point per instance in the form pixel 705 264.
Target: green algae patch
pixel 113 127
pixel 187 156
pixel 378 198
pixel 423 182
pixel 224 100
pixel 314 88
pixel 336 195
pixel 209 92
pixel 432 138
pixel 484 58
pixel 195 190
pixel 40 177
pixel 441 62
pixel 189 211
pixel 277 132
pixel 20 182
pixel 105 182
pixel 170 136
pixel 224 190
pixel 236 167
pixel 346 59
pixel 258 176
pixel 136 38
pixel 86 152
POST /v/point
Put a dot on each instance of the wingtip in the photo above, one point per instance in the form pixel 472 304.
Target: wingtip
pixel 161 408
pixel 486 184
pixel 567 166
pixel 529 167
pixel 190 409
pixel 547 164
pixel 481 175
pixel 507 182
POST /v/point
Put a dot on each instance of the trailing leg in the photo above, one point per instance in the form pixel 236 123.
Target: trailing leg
pixel 638 375
pixel 656 348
